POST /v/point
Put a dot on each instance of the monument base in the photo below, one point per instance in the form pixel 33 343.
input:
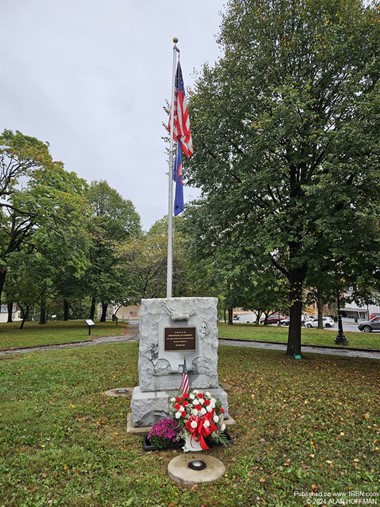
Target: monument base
pixel 149 407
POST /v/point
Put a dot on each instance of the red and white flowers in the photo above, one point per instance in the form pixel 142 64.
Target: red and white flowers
pixel 200 415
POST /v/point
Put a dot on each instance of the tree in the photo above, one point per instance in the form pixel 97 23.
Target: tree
pixel 114 221
pixel 21 157
pixel 286 134
pixel 221 262
pixel 42 209
pixel 145 258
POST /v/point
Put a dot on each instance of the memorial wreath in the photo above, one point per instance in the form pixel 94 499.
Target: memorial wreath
pixel 200 416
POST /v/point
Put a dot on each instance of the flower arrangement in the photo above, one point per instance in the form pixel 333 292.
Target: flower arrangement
pixel 200 416
pixel 163 433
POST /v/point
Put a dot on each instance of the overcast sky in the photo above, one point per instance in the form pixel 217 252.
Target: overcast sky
pixel 91 78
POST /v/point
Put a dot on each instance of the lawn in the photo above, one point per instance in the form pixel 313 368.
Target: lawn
pixel 321 337
pixel 55 332
pixel 304 430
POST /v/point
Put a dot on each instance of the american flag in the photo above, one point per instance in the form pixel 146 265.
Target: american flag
pixel 185 385
pixel 178 178
pixel 181 122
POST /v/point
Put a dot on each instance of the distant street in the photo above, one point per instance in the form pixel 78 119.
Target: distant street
pixel 346 327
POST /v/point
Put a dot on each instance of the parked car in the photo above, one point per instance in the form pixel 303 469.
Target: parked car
pixel 244 318
pixel 327 322
pixel 275 319
pixel 306 318
pixel 373 315
pixel 370 325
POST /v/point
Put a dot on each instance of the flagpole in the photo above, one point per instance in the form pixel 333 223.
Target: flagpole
pixel 169 275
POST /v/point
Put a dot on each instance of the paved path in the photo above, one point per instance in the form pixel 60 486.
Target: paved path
pixel 305 348
pixel 133 336
pixel 94 341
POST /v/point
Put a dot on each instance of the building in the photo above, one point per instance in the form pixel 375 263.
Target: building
pixel 16 313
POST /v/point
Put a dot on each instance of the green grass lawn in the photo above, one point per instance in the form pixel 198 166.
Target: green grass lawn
pixel 55 332
pixel 301 427
pixel 322 337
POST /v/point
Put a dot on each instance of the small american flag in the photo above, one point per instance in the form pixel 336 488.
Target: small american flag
pixel 185 385
pixel 181 122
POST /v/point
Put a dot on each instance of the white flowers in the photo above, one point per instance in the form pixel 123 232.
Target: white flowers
pixel 198 414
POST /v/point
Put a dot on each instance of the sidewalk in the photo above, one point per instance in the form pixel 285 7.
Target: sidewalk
pixel 335 351
pixel 133 336
pixel 94 341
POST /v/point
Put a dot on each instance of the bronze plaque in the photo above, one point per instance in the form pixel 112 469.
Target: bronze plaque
pixel 180 338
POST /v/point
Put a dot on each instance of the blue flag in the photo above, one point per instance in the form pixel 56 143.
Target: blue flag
pixel 178 178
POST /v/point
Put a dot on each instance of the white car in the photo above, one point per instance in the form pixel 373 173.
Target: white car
pixel 327 322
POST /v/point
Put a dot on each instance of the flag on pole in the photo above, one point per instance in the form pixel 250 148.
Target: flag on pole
pixel 178 178
pixel 181 122
pixel 185 385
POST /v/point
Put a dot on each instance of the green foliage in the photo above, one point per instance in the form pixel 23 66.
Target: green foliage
pixel 287 148
pixel 113 221
pixel 145 258
pixel 43 239
pixel 116 217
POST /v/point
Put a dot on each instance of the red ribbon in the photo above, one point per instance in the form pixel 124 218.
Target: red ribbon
pixel 200 431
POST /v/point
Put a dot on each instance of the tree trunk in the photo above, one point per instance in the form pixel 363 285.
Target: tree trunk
pixel 66 310
pixel 10 312
pixel 104 312
pixel 294 336
pixel 43 317
pixel 230 316
pixel 25 314
pixel 92 309
pixel 320 311
pixel 3 274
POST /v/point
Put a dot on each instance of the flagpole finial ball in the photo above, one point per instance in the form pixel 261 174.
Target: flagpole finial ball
pixel 175 40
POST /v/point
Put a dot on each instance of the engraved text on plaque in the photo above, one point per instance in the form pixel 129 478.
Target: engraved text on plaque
pixel 180 338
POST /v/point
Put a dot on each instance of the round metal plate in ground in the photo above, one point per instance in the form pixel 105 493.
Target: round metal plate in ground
pixel 120 391
pixel 179 471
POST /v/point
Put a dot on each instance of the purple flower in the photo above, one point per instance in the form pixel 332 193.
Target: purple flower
pixel 164 432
